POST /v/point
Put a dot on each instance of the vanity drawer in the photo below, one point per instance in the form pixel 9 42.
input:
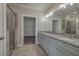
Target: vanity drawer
pixel 62 52
pixel 56 50
pixel 73 49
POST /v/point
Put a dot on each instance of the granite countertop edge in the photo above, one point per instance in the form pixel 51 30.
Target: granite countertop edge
pixel 74 42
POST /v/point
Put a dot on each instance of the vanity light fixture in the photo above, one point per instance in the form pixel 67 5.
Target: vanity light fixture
pixel 46 16
pixel 51 13
pixel 63 5
pixel 71 4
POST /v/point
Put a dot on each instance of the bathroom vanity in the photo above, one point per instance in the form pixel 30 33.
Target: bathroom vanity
pixel 58 45
pixel 64 38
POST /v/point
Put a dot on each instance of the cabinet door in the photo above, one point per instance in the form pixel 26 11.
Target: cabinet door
pixel 50 46
pixel 62 52
pixel 51 49
pixel 74 50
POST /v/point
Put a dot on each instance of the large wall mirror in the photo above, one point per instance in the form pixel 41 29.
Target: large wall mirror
pixel 70 24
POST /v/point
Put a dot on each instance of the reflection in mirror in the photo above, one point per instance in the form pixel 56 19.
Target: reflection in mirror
pixel 70 25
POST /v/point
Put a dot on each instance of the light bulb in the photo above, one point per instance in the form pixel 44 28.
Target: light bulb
pixel 64 6
pixel 71 4
pixel 46 16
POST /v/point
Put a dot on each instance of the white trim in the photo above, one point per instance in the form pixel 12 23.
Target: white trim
pixel 4 29
pixel 22 24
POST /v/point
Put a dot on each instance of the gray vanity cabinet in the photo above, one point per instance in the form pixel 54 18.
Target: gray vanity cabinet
pixel 73 49
pixel 55 47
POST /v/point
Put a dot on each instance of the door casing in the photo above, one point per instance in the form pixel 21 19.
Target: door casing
pixel 22 25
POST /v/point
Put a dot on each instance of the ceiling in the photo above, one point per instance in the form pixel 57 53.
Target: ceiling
pixel 68 10
pixel 44 6
pixel 35 6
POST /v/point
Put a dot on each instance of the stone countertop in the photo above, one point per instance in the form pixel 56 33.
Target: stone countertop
pixel 74 42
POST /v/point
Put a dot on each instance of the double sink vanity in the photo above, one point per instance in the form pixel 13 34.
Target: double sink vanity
pixel 63 40
pixel 58 44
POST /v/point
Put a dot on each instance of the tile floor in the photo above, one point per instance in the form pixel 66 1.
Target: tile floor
pixel 29 50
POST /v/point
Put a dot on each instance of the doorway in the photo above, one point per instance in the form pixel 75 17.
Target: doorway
pixel 29 30
pixel 55 26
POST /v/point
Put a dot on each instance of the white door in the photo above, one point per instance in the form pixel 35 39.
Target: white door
pixel 1 31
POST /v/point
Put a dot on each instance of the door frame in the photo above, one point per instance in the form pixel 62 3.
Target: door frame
pixel 4 29
pixel 52 24
pixel 22 29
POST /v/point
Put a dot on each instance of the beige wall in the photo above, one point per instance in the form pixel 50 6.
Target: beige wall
pixel 41 22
